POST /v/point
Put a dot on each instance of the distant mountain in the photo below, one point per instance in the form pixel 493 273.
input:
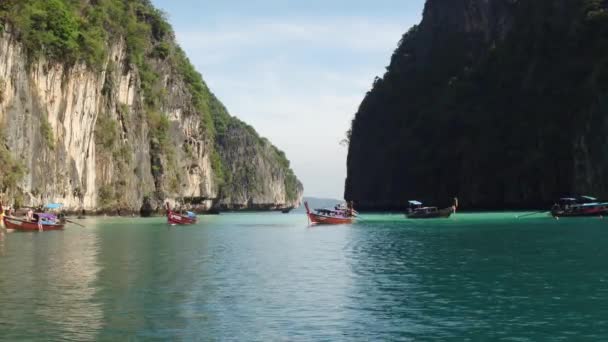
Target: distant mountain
pixel 315 202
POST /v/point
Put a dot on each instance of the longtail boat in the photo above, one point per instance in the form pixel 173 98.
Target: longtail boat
pixel 41 222
pixel 329 216
pixel 174 218
pixel 579 207
pixel 417 211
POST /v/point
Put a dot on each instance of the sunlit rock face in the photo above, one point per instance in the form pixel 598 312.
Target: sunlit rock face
pixel 83 135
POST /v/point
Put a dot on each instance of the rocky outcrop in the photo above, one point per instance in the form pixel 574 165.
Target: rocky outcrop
pixel 89 138
pixel 498 102
pixel 254 178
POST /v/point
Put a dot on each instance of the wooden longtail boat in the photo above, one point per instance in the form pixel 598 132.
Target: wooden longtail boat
pixel 583 206
pixel 328 216
pixel 27 226
pixel 417 211
pixel 430 212
pixel 174 218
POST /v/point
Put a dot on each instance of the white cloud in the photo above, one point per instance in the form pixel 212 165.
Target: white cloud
pixel 358 34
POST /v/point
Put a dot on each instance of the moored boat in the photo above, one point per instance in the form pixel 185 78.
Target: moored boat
pixel 329 216
pixel 430 212
pixel 41 222
pixel 579 207
pixel 174 218
pixel 417 211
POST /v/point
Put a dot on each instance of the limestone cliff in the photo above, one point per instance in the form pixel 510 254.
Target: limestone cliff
pixel 113 135
pixel 254 175
pixel 499 102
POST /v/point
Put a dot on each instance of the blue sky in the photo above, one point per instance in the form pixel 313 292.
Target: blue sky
pixel 295 70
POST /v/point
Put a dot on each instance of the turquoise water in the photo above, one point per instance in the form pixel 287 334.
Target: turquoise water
pixel 269 277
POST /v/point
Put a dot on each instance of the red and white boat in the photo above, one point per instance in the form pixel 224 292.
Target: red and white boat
pixel 42 222
pixel 174 218
pixel 330 216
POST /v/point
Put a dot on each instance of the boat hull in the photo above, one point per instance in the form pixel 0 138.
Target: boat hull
pixel 322 219
pixel 582 213
pixel 327 216
pixel 176 219
pixel 443 213
pixel 25 226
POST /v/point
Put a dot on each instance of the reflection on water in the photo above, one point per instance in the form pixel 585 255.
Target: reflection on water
pixel 271 277
pixel 148 272
pixel 47 286
pixel 482 277
pixel 2 238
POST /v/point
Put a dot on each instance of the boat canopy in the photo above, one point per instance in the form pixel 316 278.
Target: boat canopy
pixel 325 210
pixel 53 206
pixel 568 199
pixel 589 198
pixel 415 202
pixel 594 204
pixel 46 216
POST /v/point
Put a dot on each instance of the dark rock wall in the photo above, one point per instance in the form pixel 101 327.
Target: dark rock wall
pixel 501 103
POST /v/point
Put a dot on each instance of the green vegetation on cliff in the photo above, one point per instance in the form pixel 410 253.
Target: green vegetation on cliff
pixel 112 151
pixel 291 182
pixel 502 103
pixel 75 30
pixel 12 170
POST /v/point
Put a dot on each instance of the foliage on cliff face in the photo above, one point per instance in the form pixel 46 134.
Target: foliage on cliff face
pixel 507 116
pixel 112 151
pixel 47 133
pixel 12 170
pixel 291 182
pixel 77 30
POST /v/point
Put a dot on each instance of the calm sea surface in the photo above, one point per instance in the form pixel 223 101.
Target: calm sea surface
pixel 269 277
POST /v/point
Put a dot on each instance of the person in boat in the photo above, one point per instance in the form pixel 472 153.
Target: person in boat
pixel 30 215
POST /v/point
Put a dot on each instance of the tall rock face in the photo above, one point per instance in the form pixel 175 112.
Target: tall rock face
pixel 501 103
pixel 106 113
pixel 254 175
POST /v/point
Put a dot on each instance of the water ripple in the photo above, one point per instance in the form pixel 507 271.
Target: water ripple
pixel 272 278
